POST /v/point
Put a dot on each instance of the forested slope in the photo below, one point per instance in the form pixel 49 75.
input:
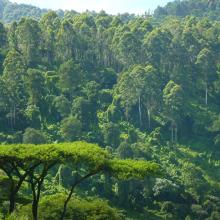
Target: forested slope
pixel 183 8
pixel 142 91
pixel 10 12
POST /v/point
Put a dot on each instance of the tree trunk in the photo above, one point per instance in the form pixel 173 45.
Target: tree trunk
pixel 15 188
pixel 14 115
pixel 36 197
pixel 35 210
pixel 66 202
pixel 36 184
pixel 140 113
pixel 76 183
pixel 172 132
pixel 11 119
pixel 149 118
pixel 34 203
pixel 176 134
pixel 12 200
pixel 206 94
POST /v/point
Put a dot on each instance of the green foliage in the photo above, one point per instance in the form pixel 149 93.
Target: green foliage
pixel 216 128
pixel 128 169
pixel 4 188
pixel 31 163
pixel 78 209
pixel 199 8
pixel 33 136
pixel 11 11
pixel 111 134
pixel 70 77
pixel 71 128
pixel 144 87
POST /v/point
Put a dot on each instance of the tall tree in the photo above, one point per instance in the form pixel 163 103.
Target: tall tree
pixel 70 78
pixel 29 41
pixel 140 86
pixel 14 76
pixel 206 63
pixel 35 82
pixel 173 98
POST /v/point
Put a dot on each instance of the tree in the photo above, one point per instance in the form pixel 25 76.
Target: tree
pixel 62 105
pixel 49 25
pixel 107 78
pixel 13 76
pixel 71 128
pixel 32 163
pixel 205 61
pixel 111 134
pixel 131 86
pixel 128 48
pixel 70 78
pixel 216 129
pixel 67 41
pixel 33 116
pixel 4 102
pixel 173 98
pixel 29 41
pixel 33 136
pixel 85 112
pixel 140 86
pixel 157 45
pixel 78 208
pixel 3 37
pixel 35 86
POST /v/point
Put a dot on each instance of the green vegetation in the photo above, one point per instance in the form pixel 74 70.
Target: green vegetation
pixel 10 12
pixel 33 163
pixel 183 8
pixel 78 209
pixel 144 88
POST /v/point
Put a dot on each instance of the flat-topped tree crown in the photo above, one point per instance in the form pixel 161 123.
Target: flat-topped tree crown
pixel 76 152
pixel 132 169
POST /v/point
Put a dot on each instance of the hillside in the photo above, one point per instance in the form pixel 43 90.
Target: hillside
pixel 10 12
pixel 141 91
pixel 183 8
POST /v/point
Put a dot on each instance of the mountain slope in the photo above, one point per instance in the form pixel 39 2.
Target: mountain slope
pixel 199 8
pixel 12 11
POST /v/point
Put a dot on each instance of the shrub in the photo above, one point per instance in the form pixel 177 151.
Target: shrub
pixel 33 136
pixel 78 209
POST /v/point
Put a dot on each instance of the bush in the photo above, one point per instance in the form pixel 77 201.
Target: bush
pixel 33 136
pixel 168 207
pixel 71 129
pixel 78 209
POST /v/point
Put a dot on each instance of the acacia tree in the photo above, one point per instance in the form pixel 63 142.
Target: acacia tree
pixel 95 160
pixel 32 163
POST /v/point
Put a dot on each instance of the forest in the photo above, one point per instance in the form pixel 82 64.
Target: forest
pixel 110 117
